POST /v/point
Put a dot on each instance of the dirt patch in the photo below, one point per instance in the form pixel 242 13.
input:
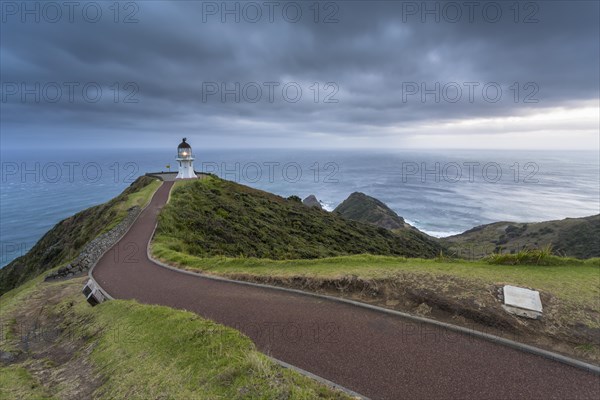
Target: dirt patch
pixel 468 303
pixel 39 339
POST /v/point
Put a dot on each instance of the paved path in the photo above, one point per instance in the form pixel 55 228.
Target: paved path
pixel 378 355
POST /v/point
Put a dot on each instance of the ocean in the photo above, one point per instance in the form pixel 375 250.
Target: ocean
pixel 440 192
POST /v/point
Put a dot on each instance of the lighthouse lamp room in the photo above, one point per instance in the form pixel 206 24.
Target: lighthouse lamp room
pixel 185 160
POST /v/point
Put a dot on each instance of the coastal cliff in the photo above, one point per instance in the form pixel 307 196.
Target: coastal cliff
pixel 66 240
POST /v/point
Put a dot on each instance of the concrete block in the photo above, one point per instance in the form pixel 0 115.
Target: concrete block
pixel 522 302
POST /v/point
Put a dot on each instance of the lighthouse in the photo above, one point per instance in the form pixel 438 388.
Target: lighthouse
pixel 185 160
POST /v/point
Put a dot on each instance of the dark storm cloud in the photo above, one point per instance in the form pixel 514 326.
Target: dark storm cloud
pixel 375 53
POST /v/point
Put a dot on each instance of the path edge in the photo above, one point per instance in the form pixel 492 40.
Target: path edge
pixel 594 369
pixel 281 363
pixel 318 378
pixel 91 269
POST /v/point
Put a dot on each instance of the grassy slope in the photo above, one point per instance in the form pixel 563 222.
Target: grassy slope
pixel 122 349
pixel 66 239
pixel 452 290
pixel 17 383
pixel 575 282
pixel 455 291
pixel 578 283
pixel 213 217
pixel 573 237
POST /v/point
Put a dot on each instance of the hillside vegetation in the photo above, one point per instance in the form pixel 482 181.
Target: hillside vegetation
pixel 221 228
pixel 214 217
pixel 55 346
pixel 64 241
pixel 572 237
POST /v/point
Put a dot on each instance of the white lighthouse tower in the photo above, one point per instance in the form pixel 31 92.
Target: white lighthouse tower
pixel 186 161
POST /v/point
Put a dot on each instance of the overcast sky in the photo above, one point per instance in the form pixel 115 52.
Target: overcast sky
pixel 389 74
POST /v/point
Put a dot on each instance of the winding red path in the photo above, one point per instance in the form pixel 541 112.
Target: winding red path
pixel 378 355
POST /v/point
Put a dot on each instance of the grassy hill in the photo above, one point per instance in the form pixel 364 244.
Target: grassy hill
pixel 458 292
pixel 214 217
pixel 55 346
pixel 225 229
pixel 64 241
pixel 572 237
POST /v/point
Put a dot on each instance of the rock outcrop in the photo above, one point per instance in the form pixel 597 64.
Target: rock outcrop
pixel 360 207
pixel 311 201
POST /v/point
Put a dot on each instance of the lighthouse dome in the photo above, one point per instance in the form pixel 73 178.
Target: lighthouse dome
pixel 184 144
pixel 184 150
pixel 185 160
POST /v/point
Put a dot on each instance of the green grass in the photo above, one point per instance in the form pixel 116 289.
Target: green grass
pixel 543 256
pixel 156 352
pixel 140 198
pixel 578 282
pixel 17 383
pixel 13 298
pixel 15 380
pixel 146 352
pixel 142 351
pixel 214 217
pixel 571 279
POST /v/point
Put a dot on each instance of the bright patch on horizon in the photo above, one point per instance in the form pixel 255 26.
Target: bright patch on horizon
pixel 542 130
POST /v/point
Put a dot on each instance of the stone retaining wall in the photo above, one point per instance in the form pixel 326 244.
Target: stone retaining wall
pixel 92 251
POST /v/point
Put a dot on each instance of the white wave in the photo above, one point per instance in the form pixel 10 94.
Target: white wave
pixel 327 206
pixel 437 234
pixel 440 234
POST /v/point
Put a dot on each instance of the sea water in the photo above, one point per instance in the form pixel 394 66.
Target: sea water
pixel 440 192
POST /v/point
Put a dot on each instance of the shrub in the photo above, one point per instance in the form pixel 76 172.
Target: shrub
pixel 541 256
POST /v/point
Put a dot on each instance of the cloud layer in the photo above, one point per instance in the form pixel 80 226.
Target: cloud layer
pixel 371 73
